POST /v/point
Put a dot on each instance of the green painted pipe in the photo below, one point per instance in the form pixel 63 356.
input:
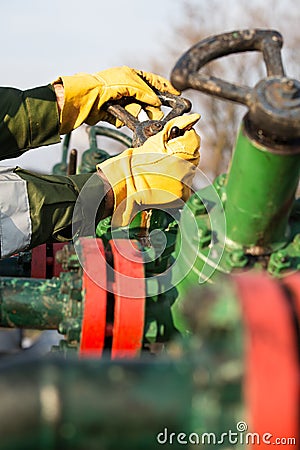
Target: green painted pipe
pixel 53 404
pixel 61 167
pixel 31 303
pixel 260 192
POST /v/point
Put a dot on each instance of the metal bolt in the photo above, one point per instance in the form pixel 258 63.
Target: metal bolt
pixel 220 180
pixel 204 236
pixel 174 132
pixel 62 329
pixel 278 262
pixel 288 84
pixel 153 128
pixel 237 258
pixel 197 206
pixel 280 257
pixel 289 89
pixel 296 241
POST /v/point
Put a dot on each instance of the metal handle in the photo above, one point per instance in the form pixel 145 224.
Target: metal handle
pixel 95 131
pixel 186 73
pixel 143 130
pixel 95 155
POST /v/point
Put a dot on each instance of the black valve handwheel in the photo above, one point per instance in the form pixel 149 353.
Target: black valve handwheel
pixel 187 72
pixel 274 103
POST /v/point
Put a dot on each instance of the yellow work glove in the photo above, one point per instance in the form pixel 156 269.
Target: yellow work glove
pixel 158 173
pixel 85 94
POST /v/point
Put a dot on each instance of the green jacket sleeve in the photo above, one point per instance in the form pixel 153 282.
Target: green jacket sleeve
pixel 47 208
pixel 28 119
pixel 57 211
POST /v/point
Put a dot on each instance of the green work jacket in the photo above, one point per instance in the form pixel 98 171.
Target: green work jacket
pixel 36 208
pixel 28 119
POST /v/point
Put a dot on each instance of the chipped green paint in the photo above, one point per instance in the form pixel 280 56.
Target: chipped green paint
pixel 30 303
pixel 43 304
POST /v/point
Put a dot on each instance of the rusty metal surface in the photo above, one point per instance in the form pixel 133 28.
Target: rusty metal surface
pixel 186 72
pixel 72 166
pixel 274 103
pixel 143 130
pixel 30 303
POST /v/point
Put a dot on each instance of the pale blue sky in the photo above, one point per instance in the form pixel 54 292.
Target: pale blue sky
pixel 42 40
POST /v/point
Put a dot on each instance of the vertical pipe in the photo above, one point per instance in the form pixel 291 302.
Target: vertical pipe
pixel 260 190
pixel 72 166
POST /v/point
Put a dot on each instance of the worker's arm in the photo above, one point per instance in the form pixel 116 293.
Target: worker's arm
pixel 39 208
pixel 36 117
pixel 28 119
pixel 35 208
pixel 82 97
pixel 159 173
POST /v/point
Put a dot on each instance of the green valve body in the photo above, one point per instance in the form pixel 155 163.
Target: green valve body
pixel 260 193
pixel 246 220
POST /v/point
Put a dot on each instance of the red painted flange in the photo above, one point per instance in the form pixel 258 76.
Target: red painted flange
pixel 129 310
pixel 94 315
pixel 43 260
pixel 271 358
pixel 39 261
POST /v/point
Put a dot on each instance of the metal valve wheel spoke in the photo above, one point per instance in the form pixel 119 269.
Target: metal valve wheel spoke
pixel 274 103
pixel 187 72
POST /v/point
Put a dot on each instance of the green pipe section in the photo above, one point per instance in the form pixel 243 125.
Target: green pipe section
pixel 54 404
pixel 30 303
pixel 61 167
pixel 260 192
pixel 94 155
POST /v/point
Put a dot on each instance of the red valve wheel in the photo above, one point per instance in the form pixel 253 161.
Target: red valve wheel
pixel 94 316
pixel 129 311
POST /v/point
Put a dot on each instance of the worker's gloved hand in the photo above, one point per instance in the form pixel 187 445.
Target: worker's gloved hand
pixel 85 94
pixel 158 173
